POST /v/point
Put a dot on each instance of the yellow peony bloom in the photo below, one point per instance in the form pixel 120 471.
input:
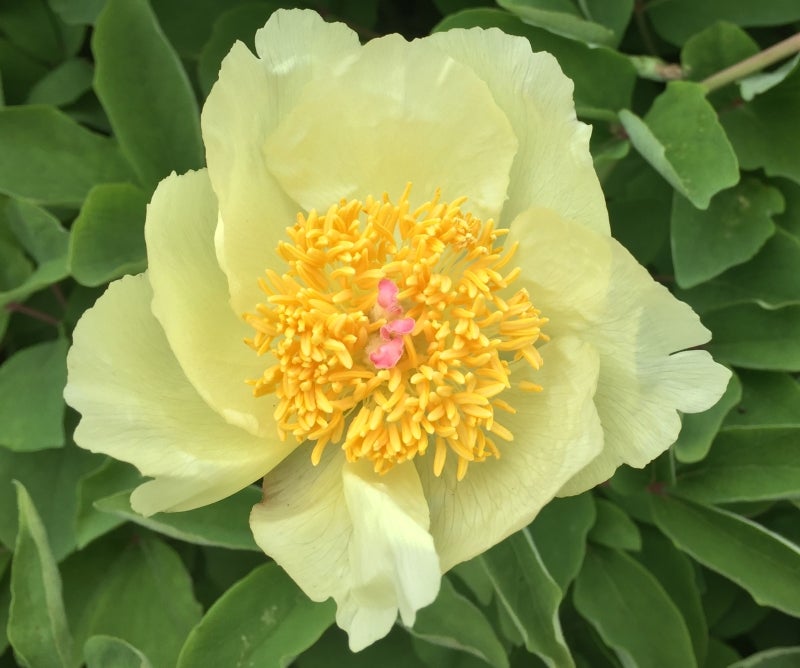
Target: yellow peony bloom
pixel 393 295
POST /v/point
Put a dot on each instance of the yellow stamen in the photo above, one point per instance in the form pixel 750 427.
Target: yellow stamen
pixel 321 320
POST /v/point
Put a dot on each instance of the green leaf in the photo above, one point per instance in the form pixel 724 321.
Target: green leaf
pixel 560 17
pixel 148 98
pixel 453 621
pixel 770 279
pixel 239 23
pixel 778 657
pixel 677 20
pixel 31 25
pixel 699 429
pixel 223 524
pixel 529 596
pixel 397 650
pixel 31 404
pixel 19 72
pixel 758 560
pixel 106 651
pixel 37 625
pixel 107 237
pixel 613 528
pixel 718 46
pixel 615 15
pixel 631 611
pixel 263 620
pixel 63 85
pixel 81 12
pixel 745 465
pixel 759 83
pixel 731 231
pixel 50 159
pixel 764 131
pixel 51 477
pixel 559 533
pixel 603 78
pixel 131 587
pixel 719 654
pixel 682 139
pixel 770 340
pixel 676 574
pixel 768 400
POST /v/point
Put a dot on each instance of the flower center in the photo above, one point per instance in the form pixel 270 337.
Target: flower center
pixel 395 330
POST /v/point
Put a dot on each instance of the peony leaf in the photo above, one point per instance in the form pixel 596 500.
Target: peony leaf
pixel 50 159
pixel 105 651
pixel 37 624
pixel 778 657
pixel 745 465
pixel 64 84
pixel 758 560
pixel 611 591
pixel 107 237
pixel 529 596
pixel 148 98
pixel 31 404
pixel 731 231
pixel 264 620
pixel 768 400
pixel 613 528
pixel 564 20
pixel 682 139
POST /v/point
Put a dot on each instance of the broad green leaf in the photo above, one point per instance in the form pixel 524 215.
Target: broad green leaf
pixel 5 598
pixel 264 620
pixel 676 574
pixel 559 533
pixel 778 657
pixel 719 654
pixel 789 220
pixel 615 15
pixel 31 25
pixel 718 46
pixel 613 528
pixel 148 98
pixel 682 139
pixel 729 232
pixel 397 650
pixel 603 78
pixel 50 159
pixel 37 625
pixel 560 17
pixel 63 85
pixel 81 12
pixel 239 23
pixel 770 279
pixel 586 645
pixel 631 611
pixel 764 131
pixel 453 621
pixel 745 465
pixel 223 524
pixel 768 400
pixel 51 478
pixel 107 237
pixel 529 596
pixel 763 563
pixel 110 477
pixel 106 651
pixel 743 615
pixel 42 237
pixel 19 72
pixel 31 403
pixel 754 338
pixel 759 83
pixel 133 587
pixel 677 20
pixel 473 575
pixel 699 429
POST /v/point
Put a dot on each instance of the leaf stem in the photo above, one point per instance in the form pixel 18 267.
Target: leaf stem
pixel 16 307
pixel 753 64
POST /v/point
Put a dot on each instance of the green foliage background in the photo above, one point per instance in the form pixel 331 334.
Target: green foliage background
pixel 693 561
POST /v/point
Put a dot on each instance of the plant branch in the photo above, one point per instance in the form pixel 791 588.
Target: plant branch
pixel 16 307
pixel 755 63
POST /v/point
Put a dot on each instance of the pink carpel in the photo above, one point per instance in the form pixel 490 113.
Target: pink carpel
pixel 387 296
pixel 388 354
pixel 397 328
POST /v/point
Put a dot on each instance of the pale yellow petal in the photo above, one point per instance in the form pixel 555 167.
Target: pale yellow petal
pixel 190 300
pixel 342 531
pixel 553 167
pixel 137 406
pixel 590 287
pixel 244 107
pixel 401 112
pixel 556 433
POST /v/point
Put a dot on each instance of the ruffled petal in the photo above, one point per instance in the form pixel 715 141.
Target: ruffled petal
pixel 138 407
pixel 190 300
pixel 590 287
pixel 402 112
pixel 556 432
pixel 553 167
pixel 244 107
pixel 342 531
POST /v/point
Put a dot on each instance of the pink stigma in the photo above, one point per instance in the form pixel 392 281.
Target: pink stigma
pixel 387 296
pixel 389 352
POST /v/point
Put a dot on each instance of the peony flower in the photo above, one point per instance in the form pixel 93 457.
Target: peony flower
pixel 394 296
